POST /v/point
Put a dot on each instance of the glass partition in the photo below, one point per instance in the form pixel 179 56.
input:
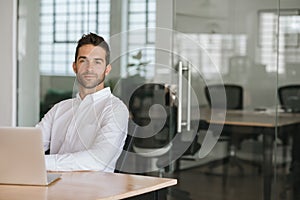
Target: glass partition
pixel 288 156
pixel 252 44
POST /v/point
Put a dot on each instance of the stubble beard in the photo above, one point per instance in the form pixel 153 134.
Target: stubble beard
pixel 90 84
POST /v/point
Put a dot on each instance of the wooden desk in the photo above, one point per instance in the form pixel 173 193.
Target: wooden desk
pixel 88 186
pixel 250 118
pixel 268 123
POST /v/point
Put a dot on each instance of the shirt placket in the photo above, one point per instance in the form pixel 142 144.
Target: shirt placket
pixel 77 120
pixel 71 127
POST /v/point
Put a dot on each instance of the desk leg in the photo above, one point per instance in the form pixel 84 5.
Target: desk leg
pixel 268 139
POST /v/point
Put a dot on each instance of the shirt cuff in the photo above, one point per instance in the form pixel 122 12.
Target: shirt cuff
pixel 50 162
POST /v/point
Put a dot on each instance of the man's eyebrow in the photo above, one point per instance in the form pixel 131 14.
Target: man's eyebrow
pixel 101 59
pixel 84 57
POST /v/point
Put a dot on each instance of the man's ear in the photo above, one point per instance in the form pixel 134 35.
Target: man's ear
pixel 107 70
pixel 74 67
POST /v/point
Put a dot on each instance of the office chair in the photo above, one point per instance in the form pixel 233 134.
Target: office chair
pixel 155 122
pixel 289 97
pixel 233 100
pixel 152 126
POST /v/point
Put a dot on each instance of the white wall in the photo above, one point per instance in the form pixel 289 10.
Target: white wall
pixel 26 73
pixel 28 63
pixel 8 24
pixel 164 41
pixel 116 38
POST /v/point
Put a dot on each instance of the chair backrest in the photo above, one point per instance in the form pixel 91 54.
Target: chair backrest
pixel 233 96
pixel 289 97
pixel 142 99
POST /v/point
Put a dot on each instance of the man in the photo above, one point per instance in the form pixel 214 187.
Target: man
pixel 87 132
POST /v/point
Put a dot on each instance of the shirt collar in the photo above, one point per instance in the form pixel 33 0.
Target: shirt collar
pixel 97 95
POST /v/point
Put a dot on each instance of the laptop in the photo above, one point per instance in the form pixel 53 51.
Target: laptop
pixel 22 159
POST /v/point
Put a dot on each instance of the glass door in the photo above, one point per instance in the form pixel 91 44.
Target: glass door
pixel 254 45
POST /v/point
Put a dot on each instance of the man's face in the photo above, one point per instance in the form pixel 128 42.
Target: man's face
pixel 90 66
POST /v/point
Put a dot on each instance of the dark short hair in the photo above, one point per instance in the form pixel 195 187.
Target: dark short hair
pixel 95 40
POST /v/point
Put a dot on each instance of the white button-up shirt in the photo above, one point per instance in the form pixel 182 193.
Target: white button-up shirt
pixel 86 134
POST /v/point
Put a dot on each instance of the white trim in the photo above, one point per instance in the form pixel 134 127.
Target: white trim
pixel 14 62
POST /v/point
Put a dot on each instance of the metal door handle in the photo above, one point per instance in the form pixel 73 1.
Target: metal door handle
pixel 180 123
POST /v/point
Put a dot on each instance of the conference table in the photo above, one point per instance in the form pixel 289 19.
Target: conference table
pixel 269 123
pixel 88 186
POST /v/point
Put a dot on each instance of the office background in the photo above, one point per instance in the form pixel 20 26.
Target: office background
pixel 235 23
pixel 236 19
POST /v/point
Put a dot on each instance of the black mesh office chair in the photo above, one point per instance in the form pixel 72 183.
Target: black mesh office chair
pixel 289 97
pixel 234 96
pixel 152 134
pixel 152 126
pixel 233 100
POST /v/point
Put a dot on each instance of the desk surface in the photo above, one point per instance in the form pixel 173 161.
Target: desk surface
pixel 249 118
pixel 88 186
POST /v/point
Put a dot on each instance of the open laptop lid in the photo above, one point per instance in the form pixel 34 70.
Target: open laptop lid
pixel 22 156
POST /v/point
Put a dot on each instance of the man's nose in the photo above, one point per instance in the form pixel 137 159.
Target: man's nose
pixel 89 65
